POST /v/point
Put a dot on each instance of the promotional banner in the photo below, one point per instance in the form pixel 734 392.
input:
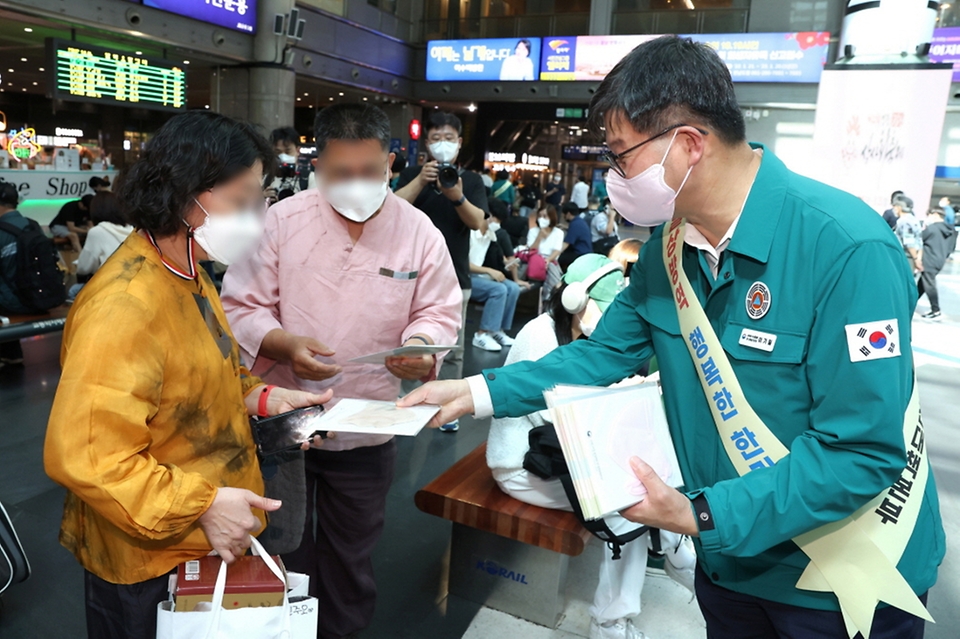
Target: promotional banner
pixel 945 47
pixel 870 141
pixel 751 57
pixel 504 59
pixel 240 15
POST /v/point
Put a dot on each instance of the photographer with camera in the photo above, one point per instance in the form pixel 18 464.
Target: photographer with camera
pixel 455 201
pixel 291 175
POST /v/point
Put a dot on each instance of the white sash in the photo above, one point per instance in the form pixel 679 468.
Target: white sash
pixel 856 557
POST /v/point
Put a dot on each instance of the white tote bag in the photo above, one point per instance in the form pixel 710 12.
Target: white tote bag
pixel 292 620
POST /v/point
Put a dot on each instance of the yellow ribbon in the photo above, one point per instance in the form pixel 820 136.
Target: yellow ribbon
pixel 855 558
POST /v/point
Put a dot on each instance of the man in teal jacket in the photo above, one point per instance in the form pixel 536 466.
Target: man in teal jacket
pixel 811 299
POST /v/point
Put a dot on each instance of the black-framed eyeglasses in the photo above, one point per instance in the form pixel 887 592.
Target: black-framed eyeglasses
pixel 613 159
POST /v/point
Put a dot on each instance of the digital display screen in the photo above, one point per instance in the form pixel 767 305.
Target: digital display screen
pixel 751 57
pixel 240 15
pixel 581 152
pixel 91 74
pixel 945 47
pixel 501 59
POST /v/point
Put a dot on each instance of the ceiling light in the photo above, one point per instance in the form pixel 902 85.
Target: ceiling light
pixel 298 99
pixel 10 70
pixel 186 62
pixel 341 94
pixel 41 69
pixel 138 52
pixel 23 59
pixel 206 106
pixel 331 99
pixel 305 93
pixel 28 29
pixel 364 99
pixel 471 108
pixel 34 84
pixel 23 89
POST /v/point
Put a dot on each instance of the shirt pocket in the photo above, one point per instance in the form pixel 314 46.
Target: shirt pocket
pixel 790 347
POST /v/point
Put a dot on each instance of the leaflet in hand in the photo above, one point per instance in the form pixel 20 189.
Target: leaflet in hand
pixel 404 351
pixel 600 429
pixel 375 418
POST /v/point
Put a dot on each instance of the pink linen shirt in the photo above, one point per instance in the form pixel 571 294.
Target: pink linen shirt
pixel 309 278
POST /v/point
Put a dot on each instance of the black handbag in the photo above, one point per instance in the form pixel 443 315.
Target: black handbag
pixel 14 567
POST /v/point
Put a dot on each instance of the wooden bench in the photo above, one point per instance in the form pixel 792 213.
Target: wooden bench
pixel 505 554
pixel 23 326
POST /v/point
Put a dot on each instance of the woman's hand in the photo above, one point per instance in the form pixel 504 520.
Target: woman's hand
pixel 229 521
pixel 283 400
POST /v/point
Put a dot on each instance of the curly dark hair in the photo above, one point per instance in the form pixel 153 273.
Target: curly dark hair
pixel 191 153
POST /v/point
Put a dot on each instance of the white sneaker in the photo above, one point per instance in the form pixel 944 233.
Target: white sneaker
pixel 681 564
pixel 619 629
pixel 502 338
pixel 487 342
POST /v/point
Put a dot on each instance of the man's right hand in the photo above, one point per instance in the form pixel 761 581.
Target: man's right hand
pixel 229 520
pixel 302 352
pixel 452 396
pixel 496 275
pixel 429 174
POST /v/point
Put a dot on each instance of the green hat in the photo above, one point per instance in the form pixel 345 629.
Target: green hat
pixel 601 291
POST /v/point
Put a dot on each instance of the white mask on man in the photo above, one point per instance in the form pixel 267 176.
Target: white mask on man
pixel 356 200
pixel 444 151
pixel 286 158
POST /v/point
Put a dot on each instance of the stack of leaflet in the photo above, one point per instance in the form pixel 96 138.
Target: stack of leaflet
pixel 600 429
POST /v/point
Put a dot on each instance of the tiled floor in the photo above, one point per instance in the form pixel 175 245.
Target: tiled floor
pixel 410 558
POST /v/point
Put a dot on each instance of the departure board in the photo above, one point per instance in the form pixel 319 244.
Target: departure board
pixel 91 74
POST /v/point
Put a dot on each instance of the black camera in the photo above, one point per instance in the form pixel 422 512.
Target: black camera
pixel 448 175
pixel 287 171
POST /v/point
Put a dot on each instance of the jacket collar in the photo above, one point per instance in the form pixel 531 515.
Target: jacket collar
pixel 761 212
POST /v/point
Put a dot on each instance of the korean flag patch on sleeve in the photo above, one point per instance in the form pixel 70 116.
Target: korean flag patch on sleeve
pixel 873 340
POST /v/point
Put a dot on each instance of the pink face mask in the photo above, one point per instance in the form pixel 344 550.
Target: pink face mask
pixel 645 199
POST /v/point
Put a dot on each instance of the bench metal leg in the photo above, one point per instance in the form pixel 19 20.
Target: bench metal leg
pixel 510 576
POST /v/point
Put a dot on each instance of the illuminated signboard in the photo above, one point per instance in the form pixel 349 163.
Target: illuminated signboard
pixel 505 59
pixel 22 145
pixel 581 152
pixel 945 47
pixel 751 57
pixel 240 15
pixel 91 74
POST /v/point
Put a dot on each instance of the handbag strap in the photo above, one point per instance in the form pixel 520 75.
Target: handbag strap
pixel 220 588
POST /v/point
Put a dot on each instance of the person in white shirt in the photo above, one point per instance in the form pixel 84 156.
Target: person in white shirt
pixel 498 293
pixel 617 597
pixel 546 238
pixel 518 66
pixel 580 193
pixel 106 236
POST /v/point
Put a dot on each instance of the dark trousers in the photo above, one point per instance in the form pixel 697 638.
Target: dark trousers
pixel 928 285
pixel 566 258
pixel 11 350
pixel 116 611
pixel 731 615
pixel 346 504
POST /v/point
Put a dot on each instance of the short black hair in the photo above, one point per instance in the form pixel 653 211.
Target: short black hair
pixel 667 81
pixel 440 119
pixel 571 208
pixel 498 208
pixel 105 207
pixel 96 182
pixel 894 195
pixel 86 200
pixel 399 163
pixel 285 134
pixel 191 153
pixel 9 195
pixel 503 175
pixel 352 122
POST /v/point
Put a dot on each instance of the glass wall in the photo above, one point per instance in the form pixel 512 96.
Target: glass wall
pixel 504 18
pixel 680 16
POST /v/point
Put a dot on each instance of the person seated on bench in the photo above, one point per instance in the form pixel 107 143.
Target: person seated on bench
pixel 500 254
pixel 491 286
pixel 10 303
pixel 109 231
pixel 617 598
pixel 73 221
pixel 626 253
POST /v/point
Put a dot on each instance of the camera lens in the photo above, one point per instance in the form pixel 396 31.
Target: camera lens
pixel 448 176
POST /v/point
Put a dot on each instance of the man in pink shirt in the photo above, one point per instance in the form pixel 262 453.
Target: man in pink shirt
pixel 345 270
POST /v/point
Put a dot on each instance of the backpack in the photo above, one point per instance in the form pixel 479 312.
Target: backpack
pixel 38 280
pixel 545 460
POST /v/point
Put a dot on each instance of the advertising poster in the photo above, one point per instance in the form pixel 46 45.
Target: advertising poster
pixel 240 15
pixel 502 59
pixel 751 57
pixel 870 141
pixel 945 47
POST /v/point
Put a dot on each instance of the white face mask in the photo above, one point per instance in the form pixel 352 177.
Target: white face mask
pixel 645 199
pixel 494 226
pixel 556 180
pixel 590 318
pixel 543 222
pixel 287 159
pixel 356 200
pixel 444 151
pixel 227 238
